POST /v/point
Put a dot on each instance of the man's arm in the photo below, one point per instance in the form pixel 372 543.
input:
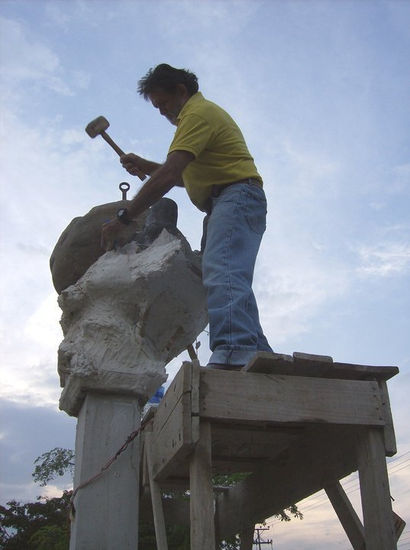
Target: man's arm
pixel 163 179
pixel 135 164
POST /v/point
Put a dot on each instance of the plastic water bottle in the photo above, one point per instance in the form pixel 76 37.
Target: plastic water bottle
pixel 155 400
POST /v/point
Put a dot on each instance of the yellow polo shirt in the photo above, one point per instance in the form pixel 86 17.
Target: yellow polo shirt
pixel 215 140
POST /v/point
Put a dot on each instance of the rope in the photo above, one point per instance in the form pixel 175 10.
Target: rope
pixel 130 438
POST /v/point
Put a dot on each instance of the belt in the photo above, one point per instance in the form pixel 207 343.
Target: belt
pixel 217 189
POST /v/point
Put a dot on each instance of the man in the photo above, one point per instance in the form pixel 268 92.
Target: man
pixel 209 157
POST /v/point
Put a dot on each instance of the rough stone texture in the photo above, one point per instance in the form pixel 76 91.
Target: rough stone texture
pixel 79 244
pixel 130 313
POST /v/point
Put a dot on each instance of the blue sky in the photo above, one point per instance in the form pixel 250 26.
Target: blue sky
pixel 320 90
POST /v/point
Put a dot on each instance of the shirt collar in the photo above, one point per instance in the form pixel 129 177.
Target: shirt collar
pixel 193 99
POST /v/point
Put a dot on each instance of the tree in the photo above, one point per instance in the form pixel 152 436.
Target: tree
pixel 53 463
pixel 40 525
pixel 44 524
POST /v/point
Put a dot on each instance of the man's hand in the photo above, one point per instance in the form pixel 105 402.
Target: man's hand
pixel 134 164
pixel 111 235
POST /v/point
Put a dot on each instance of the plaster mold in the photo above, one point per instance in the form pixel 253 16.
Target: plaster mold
pixel 127 317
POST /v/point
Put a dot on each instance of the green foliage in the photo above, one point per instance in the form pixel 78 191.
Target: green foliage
pixel 53 463
pixel 177 537
pixel 233 479
pixel 228 480
pixel 51 537
pixel 293 510
pixel 44 525
pixel 40 525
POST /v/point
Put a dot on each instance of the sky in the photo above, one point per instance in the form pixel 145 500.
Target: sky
pixel 320 90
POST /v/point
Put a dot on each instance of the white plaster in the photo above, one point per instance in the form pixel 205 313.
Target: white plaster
pixel 130 313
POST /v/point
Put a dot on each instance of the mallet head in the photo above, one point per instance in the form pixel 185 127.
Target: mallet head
pixel 97 126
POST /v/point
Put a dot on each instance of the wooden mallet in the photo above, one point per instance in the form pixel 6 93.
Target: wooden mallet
pixel 97 127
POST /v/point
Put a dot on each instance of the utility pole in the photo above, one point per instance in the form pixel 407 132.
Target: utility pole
pixel 258 541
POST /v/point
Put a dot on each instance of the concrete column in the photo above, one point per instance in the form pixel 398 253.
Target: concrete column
pixel 106 515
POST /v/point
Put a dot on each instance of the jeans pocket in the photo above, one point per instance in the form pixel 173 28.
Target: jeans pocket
pixel 255 212
pixel 257 223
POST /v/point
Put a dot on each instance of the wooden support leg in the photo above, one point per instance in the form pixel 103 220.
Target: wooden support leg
pixel 156 499
pixel 374 487
pixel 246 536
pixel 346 514
pixel 202 497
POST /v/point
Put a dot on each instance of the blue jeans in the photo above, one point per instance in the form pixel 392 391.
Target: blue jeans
pixel 235 228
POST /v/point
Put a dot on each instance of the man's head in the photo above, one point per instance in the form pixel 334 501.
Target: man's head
pixel 168 89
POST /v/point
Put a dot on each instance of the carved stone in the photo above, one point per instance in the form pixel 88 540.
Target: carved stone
pixel 130 313
pixel 79 244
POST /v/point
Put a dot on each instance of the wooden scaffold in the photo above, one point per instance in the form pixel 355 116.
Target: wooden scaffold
pixel 296 424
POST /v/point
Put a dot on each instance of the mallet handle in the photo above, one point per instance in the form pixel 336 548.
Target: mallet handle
pixel 119 151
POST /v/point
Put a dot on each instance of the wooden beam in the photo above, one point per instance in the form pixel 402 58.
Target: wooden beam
pixel 246 537
pixel 346 514
pixel 303 364
pixel 156 498
pixel 195 381
pixel 375 492
pixel 180 386
pixel 322 454
pixel 389 435
pixel 249 397
pixel 399 525
pixel 173 438
pixel 202 497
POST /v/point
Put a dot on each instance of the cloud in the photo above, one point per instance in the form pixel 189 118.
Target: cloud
pixel 28 59
pixel 384 259
pixel 30 63
pixel 58 17
pixel 207 18
pixel 30 431
pixel 401 180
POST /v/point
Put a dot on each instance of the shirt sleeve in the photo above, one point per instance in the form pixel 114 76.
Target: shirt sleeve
pixel 193 134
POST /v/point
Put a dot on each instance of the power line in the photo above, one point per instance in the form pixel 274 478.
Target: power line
pixel 397 457
pixel 258 541
pixel 396 465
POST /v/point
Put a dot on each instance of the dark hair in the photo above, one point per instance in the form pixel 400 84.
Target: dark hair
pixel 167 78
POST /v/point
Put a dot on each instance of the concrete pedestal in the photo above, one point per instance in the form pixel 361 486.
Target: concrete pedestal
pixel 106 515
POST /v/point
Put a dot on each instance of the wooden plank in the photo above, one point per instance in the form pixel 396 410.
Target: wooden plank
pixel 195 381
pixel 234 442
pixel 174 442
pixel 172 426
pixel 311 358
pixel 179 386
pixel 323 454
pixel 246 537
pixel 389 435
pixel 202 497
pixel 272 363
pixel 362 372
pixel 303 364
pixel 144 476
pixel 375 491
pixel 399 525
pixel 249 397
pixel 346 514
pixel 312 365
pixel 158 512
